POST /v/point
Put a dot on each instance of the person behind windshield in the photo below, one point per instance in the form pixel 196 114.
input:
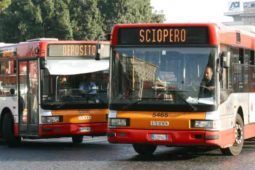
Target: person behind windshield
pixel 88 84
pixel 63 83
pixel 207 85
pixel 63 87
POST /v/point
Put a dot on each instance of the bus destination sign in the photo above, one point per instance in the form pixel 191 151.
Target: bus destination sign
pixel 72 50
pixel 163 36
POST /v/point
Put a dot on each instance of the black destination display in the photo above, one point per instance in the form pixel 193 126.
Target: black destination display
pixel 163 36
pixel 72 50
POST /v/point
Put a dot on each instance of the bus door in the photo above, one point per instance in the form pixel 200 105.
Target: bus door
pixel 28 92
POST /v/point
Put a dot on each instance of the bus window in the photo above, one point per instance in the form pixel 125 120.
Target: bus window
pixel 252 72
pixel 252 58
pixel 167 76
pixel 7 80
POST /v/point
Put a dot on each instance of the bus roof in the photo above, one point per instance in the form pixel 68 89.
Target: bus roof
pixel 53 41
pixel 5 44
pixel 38 46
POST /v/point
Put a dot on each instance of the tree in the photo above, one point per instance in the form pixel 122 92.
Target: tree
pixel 21 21
pixel 127 11
pixel 29 19
pixel 56 19
pixel 47 9
pixel 4 4
pixel 70 19
pixel 158 18
pixel 86 19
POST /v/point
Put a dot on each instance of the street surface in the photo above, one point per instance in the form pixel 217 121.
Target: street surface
pixel 96 153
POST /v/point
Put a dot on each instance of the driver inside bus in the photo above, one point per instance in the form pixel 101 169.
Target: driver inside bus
pixel 88 84
pixel 207 85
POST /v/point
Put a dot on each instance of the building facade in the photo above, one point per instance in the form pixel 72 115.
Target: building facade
pixel 242 12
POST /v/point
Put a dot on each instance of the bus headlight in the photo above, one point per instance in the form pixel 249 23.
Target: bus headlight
pixel 113 122
pixel 51 119
pixel 206 124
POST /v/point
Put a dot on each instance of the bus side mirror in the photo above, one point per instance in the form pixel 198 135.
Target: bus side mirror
pixel 42 63
pixel 103 51
pixel 97 56
pixel 225 59
pixel 219 68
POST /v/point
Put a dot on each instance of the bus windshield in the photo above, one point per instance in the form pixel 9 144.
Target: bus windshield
pixel 74 91
pixel 177 76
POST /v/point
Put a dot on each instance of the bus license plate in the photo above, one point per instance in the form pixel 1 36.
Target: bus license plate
pixel 162 137
pixel 85 129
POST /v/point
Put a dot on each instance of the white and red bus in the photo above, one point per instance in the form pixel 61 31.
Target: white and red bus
pixel 51 88
pixel 161 93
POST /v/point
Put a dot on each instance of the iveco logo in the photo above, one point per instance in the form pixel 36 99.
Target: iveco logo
pixel 159 123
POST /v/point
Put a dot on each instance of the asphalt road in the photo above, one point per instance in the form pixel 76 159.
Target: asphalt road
pixel 96 153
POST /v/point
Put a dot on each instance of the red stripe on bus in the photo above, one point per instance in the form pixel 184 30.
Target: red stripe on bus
pixel 71 129
pixel 174 137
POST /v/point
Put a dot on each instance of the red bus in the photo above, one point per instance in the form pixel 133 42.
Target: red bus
pixel 51 88
pixel 181 84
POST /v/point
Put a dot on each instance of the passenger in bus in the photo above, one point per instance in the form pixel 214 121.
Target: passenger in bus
pixel 22 106
pixel 207 85
pixel 63 83
pixel 4 69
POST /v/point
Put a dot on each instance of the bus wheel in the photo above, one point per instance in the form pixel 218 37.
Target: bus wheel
pixel 77 139
pixel 144 149
pixel 8 131
pixel 239 139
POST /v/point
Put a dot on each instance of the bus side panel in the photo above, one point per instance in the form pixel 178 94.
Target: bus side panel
pixel 249 129
pixel 233 105
pixel 252 108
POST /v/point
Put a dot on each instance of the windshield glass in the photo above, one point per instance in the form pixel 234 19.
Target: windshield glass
pixel 163 76
pixel 74 91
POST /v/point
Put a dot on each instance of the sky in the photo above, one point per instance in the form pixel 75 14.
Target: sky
pixel 192 10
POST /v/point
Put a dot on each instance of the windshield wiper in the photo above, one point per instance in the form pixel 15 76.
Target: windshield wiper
pixel 55 105
pixel 184 100
pixel 143 99
pixel 136 102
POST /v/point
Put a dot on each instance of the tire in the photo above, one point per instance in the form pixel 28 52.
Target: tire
pixel 8 131
pixel 77 140
pixel 239 139
pixel 144 149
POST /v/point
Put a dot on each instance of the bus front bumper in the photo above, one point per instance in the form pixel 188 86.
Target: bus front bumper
pixel 61 130
pixel 173 137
